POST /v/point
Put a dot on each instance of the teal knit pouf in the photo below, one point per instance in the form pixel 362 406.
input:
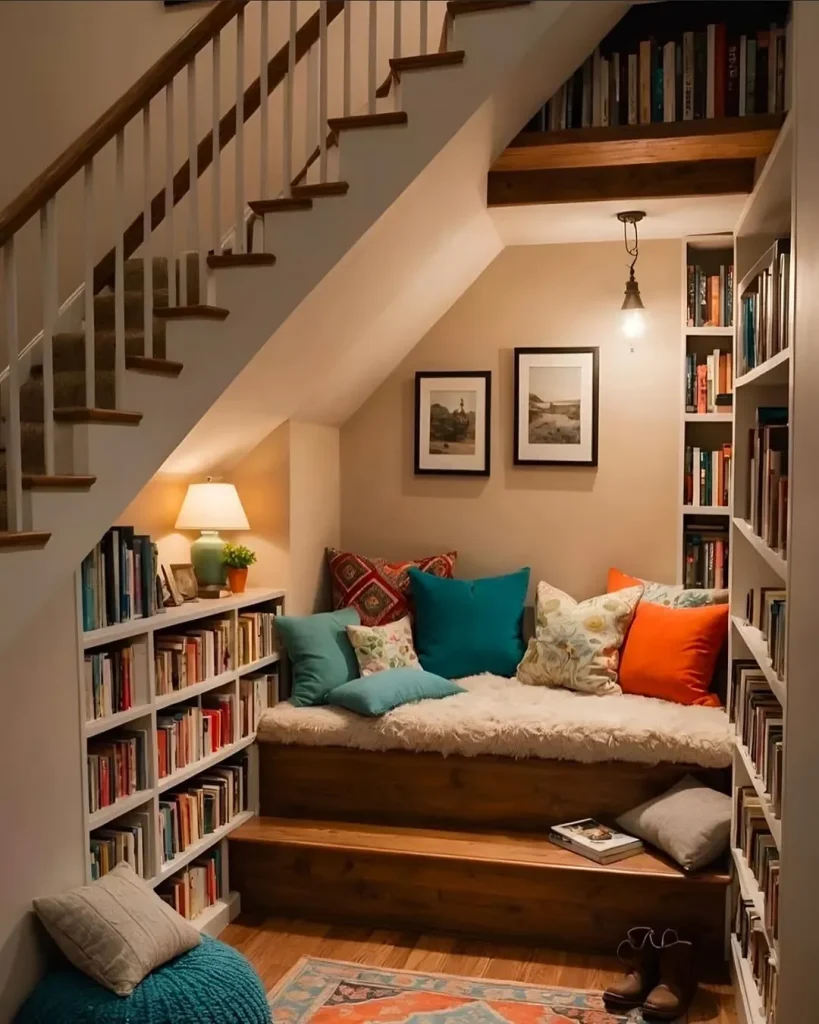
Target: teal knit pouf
pixel 210 984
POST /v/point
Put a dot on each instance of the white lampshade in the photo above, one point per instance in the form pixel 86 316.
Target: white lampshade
pixel 212 507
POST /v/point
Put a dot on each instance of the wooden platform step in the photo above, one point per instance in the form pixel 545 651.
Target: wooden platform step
pixel 515 887
pixel 390 117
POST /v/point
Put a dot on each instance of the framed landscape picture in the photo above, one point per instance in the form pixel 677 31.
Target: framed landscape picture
pixel 556 403
pixel 452 414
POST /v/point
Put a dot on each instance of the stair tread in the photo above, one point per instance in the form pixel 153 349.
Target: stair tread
pixel 427 60
pixel 390 117
pixel 530 850
pixel 79 414
pixel 262 206
pixel 150 364
pixel 41 481
pixel 198 312
pixel 23 538
pixel 243 259
pixel 455 7
pixel 321 189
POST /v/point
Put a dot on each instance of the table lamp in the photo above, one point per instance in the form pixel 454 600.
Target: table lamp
pixel 210 507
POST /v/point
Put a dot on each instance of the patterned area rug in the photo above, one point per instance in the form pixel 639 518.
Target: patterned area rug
pixel 331 992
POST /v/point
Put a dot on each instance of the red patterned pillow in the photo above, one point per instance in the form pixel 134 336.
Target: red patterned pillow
pixel 376 588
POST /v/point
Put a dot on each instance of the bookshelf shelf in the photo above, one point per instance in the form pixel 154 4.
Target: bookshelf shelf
pixel 212 920
pixel 257 666
pixel 167 700
pixel 773 558
pixel 118 808
pixel 751 1010
pixel 196 849
pixel 706 510
pixel 774 823
pixel 709 417
pixel 773 371
pixel 100 725
pixel 710 332
pixel 758 648
pixel 751 891
pixel 202 765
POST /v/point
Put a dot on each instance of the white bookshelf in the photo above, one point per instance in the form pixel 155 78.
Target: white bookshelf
pixel 142 632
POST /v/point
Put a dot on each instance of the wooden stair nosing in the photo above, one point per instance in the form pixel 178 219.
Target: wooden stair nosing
pixel 241 259
pixel 197 312
pixel 43 482
pixel 427 60
pixel 23 539
pixel 285 203
pixel 320 190
pixel 456 7
pixel 79 414
pixel 391 117
pixel 150 364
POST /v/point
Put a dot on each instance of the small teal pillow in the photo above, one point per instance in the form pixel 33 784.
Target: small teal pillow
pixel 320 652
pixel 466 627
pixel 383 691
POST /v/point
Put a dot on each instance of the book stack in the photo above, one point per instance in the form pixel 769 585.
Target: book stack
pixel 116 767
pixel 710 296
pixel 128 840
pixel 769 614
pixel 760 726
pixel 191 733
pixel 216 798
pixel 767 510
pixel 256 636
pixel 759 849
pixel 184 658
pixel 112 678
pixel 197 887
pixel 707 477
pixel 218 720
pixel 706 556
pixel 765 309
pixel 119 580
pixel 754 946
pixel 649 69
pixel 256 692
pixel 597 842
pixel 709 386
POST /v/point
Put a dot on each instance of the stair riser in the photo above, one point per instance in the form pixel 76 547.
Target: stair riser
pixel 105 310
pixel 69 391
pixel 584 910
pixel 361 148
pixel 69 349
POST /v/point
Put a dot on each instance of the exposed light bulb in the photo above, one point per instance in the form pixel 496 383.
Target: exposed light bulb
pixel 633 322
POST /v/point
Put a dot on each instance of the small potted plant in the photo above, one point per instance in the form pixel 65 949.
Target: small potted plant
pixel 236 558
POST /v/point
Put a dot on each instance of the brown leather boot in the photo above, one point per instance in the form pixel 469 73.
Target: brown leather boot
pixel 638 955
pixel 677 985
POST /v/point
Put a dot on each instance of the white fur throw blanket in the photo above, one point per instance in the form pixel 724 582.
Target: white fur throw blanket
pixel 503 716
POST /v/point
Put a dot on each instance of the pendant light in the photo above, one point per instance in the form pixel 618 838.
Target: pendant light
pixel 632 312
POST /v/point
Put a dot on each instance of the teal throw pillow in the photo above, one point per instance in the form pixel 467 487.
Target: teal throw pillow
pixel 466 627
pixel 383 691
pixel 321 655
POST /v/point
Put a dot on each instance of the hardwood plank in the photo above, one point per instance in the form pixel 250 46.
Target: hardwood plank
pixel 587 184
pixel 241 259
pixel 262 206
pixel 729 138
pixel 427 60
pixel 66 482
pixel 390 117
pixel 20 539
pixel 80 415
pixel 198 312
pixel 320 189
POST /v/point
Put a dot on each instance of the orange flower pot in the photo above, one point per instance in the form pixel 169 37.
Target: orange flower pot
pixel 237 580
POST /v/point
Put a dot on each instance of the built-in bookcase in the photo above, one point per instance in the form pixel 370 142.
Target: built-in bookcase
pixel 128 710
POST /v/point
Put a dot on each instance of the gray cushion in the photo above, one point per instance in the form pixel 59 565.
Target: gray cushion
pixel 691 823
pixel 116 930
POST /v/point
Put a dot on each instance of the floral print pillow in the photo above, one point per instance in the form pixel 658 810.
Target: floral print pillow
pixel 671 596
pixel 378 648
pixel 577 645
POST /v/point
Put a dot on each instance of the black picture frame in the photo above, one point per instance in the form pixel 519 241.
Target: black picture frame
pixel 422 463
pixel 581 351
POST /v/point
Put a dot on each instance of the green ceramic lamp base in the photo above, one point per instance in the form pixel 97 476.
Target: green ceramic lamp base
pixel 206 558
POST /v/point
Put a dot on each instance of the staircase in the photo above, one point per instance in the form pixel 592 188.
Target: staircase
pixel 219 258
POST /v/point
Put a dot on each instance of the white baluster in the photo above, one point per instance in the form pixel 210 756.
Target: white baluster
pixel 90 354
pixel 396 29
pixel 289 98
pixel 14 463
pixel 322 117
pixel 48 236
pixel 147 239
pixel 423 22
pixel 119 271
pixel 348 60
pixel 239 230
pixel 311 132
pixel 264 101
pixel 216 176
pixel 169 140
pixel 373 54
pixel 193 208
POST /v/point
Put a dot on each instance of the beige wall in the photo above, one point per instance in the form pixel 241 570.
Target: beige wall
pixel 568 524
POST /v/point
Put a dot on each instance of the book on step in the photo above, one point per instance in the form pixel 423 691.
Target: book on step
pixel 598 842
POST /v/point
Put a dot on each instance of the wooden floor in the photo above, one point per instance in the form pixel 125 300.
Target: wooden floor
pixel 273 945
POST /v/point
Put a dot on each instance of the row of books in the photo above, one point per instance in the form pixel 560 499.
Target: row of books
pixel 767 509
pixel 115 680
pixel 760 726
pixel 754 947
pixel 769 613
pixel 256 637
pixel 119 579
pixel 710 296
pixel 215 798
pixel 257 692
pixel 197 887
pixel 198 653
pixel 765 309
pixel 709 386
pixel 707 476
pixel 192 733
pixel 128 839
pixel 706 556
pixel 117 767
pixel 761 854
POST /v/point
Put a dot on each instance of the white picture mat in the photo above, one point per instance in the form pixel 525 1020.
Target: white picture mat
pixel 452 462
pixel 558 452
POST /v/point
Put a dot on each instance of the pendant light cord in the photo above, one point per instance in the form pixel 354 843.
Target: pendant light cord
pixel 632 250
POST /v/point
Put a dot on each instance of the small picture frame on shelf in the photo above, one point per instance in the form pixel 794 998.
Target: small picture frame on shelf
pixel 184 577
pixel 170 591
pixel 452 422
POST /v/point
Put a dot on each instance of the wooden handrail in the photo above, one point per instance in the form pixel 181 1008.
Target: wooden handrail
pixel 277 66
pixel 33 198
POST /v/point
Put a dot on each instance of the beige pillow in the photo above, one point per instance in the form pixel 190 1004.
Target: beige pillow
pixel 378 648
pixel 577 645
pixel 116 930
pixel 691 823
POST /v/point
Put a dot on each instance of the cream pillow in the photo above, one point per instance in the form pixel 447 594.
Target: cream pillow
pixel 378 648
pixel 116 930
pixel 577 646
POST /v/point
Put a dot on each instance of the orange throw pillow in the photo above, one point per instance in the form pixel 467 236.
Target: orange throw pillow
pixel 670 653
pixel 619 581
